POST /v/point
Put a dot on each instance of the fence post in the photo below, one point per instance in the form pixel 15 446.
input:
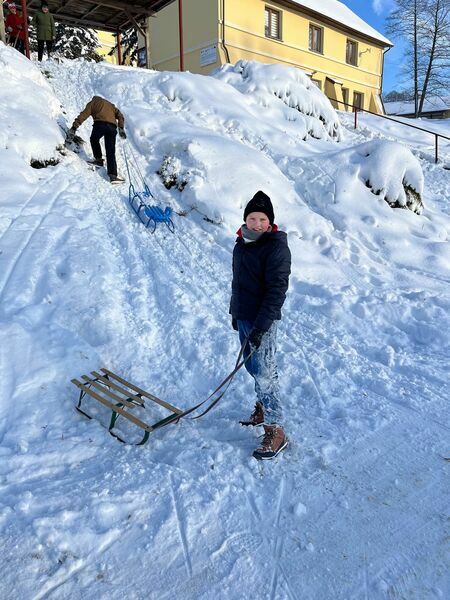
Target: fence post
pixel 436 148
pixel 356 117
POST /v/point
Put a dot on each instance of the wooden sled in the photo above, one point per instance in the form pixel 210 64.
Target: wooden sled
pixel 121 397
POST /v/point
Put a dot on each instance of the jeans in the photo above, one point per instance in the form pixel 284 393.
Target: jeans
pixel 109 132
pixel 49 45
pixel 262 367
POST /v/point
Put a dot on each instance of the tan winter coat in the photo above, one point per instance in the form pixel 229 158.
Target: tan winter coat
pixel 100 110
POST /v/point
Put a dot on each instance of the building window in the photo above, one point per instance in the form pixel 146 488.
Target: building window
pixel 358 100
pixel 316 39
pixel 273 23
pixel 317 82
pixel 345 97
pixel 352 53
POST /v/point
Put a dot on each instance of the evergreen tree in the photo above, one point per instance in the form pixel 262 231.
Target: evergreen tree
pixel 76 42
pixel 399 96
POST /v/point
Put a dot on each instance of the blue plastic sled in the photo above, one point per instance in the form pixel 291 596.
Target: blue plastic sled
pixel 150 215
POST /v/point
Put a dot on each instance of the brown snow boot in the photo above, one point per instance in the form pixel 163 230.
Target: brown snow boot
pixel 274 441
pixel 257 416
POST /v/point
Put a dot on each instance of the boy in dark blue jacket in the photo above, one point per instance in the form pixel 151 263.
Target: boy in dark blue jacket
pixel 261 269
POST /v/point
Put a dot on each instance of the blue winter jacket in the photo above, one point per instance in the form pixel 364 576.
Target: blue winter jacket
pixel 261 272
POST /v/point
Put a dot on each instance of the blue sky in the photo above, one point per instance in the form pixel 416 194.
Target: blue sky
pixel 374 12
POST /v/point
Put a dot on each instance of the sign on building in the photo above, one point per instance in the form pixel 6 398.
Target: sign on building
pixel 208 56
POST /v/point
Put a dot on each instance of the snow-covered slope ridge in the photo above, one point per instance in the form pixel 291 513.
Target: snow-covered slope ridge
pixel 28 109
pixel 354 507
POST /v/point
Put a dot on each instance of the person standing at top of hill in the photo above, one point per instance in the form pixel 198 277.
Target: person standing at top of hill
pixel 45 30
pixel 105 115
pixel 14 28
pixel 261 269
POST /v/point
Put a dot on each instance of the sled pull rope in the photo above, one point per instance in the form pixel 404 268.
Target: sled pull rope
pixel 240 362
pixel 144 183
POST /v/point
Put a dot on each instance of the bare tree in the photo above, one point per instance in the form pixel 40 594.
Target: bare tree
pixel 425 27
pixel 406 21
pixel 436 58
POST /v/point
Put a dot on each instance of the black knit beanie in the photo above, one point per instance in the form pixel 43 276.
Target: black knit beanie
pixel 260 203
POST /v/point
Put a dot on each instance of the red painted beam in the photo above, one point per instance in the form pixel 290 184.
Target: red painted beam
pixel 25 27
pixel 119 47
pixel 180 27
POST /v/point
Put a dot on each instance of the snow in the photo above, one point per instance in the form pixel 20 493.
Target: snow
pixel 261 82
pixel 407 107
pixel 341 13
pixel 22 131
pixel 356 506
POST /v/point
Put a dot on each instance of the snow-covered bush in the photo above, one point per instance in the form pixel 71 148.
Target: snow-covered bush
pixel 392 172
pixel 277 87
pixel 172 173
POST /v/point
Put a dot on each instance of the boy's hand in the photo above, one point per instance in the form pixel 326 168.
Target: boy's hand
pixel 122 133
pixel 255 338
pixel 234 324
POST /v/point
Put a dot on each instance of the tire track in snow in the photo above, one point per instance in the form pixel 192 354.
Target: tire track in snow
pixel 21 252
pixel 279 540
pixel 181 528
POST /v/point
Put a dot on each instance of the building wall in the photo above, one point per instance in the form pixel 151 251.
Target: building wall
pixel 200 27
pixel 107 42
pixel 245 39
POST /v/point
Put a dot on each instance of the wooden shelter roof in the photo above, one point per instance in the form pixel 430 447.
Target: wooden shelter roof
pixel 107 15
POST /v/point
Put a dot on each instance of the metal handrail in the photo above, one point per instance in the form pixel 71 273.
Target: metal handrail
pixel 357 109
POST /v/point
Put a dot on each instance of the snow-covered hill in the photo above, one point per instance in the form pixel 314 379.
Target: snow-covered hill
pixel 355 507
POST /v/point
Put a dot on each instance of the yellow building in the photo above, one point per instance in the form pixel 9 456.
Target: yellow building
pixel 341 53
pixel 107 42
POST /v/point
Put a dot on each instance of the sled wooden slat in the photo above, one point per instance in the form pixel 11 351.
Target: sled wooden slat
pixel 142 392
pixel 104 390
pixel 128 395
pixel 113 407
pixel 121 396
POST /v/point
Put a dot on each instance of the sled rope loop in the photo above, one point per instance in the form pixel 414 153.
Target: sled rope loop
pixel 148 214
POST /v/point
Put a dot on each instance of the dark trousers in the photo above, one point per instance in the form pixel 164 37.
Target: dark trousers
pixel 49 45
pixel 18 44
pixel 109 132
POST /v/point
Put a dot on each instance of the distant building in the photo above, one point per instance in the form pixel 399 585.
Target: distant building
pixel 342 54
pixel 433 108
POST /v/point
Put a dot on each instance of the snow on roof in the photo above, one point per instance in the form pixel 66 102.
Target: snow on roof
pixel 406 107
pixel 342 14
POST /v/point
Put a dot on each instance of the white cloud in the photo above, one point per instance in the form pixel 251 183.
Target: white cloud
pixel 380 5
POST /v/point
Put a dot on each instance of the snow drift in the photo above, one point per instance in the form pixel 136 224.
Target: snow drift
pixel 29 110
pixel 307 105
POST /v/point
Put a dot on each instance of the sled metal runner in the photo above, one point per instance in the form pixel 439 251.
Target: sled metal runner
pixel 121 396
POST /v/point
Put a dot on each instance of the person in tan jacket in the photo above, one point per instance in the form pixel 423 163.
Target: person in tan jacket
pixel 107 118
